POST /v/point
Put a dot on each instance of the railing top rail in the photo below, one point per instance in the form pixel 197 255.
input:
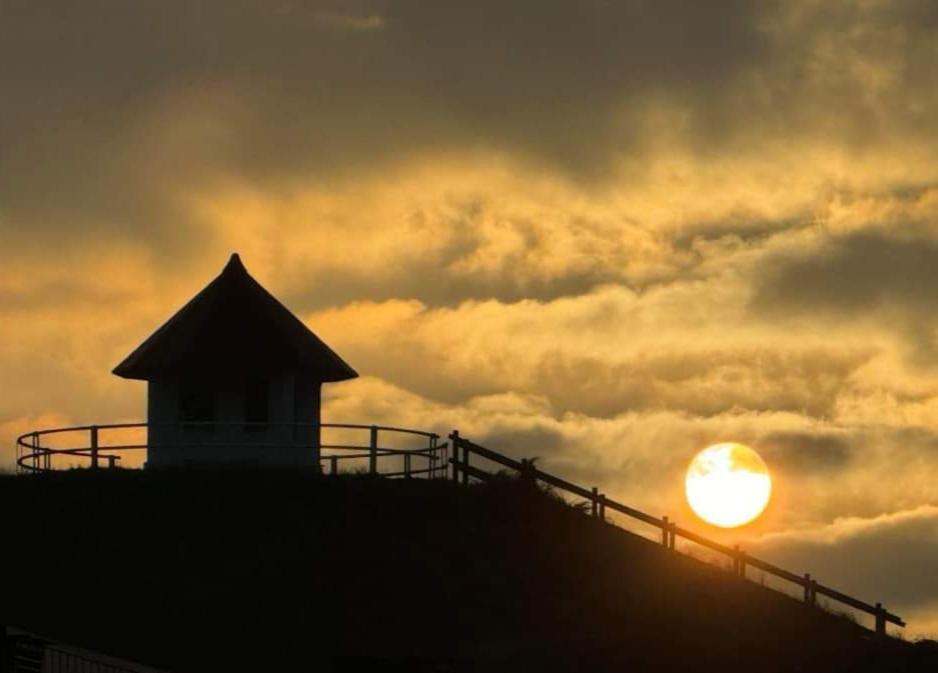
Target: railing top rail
pixel 705 542
pixel 488 453
pixel 634 513
pixel 223 424
pixel 775 570
pixel 856 603
pixel 387 428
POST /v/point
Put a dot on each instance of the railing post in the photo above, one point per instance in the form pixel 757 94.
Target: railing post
pixel 333 465
pixel 738 568
pixel 406 466
pixel 741 562
pixel 807 588
pixel 373 451
pixel 665 532
pixel 94 447
pixel 454 440
pixel 465 462
pixel 602 506
pixel 880 621
pixel 594 503
pixel 432 458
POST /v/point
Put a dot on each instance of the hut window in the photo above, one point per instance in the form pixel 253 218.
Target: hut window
pixel 197 406
pixel 256 405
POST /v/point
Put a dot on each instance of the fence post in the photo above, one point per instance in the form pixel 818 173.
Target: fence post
pixel 810 590
pixel 333 465
pixel 665 532
pixel 373 451
pixel 880 621
pixel 602 506
pixel 94 447
pixel 594 503
pixel 465 461
pixel 433 459
pixel 454 440
pixel 406 466
pixel 736 560
pixel 741 561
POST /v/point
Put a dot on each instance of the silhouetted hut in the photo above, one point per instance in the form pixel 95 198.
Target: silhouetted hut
pixel 234 377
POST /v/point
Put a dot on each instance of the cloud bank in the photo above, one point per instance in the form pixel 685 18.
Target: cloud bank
pixel 606 234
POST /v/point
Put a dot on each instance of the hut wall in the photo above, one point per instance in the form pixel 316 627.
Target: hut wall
pixel 271 422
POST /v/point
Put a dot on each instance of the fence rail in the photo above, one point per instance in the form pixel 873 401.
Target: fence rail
pixel 385 450
pixel 463 470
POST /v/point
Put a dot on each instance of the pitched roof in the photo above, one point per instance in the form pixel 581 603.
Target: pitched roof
pixel 234 325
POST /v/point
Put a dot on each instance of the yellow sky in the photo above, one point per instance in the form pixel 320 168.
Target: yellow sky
pixel 606 234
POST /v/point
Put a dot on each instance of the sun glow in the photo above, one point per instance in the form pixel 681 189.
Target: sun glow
pixel 728 485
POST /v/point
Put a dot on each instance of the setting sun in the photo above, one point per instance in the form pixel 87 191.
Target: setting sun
pixel 728 485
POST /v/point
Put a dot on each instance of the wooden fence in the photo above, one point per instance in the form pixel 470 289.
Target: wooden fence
pixel 463 471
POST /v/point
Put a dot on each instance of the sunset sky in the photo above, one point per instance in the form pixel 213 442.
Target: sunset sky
pixel 604 233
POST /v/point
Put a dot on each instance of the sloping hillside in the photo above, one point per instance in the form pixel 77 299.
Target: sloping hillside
pixel 276 571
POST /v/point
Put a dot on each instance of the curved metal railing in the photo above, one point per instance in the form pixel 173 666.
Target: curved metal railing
pixel 389 451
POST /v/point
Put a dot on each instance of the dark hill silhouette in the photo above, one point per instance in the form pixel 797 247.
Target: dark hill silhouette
pixel 283 570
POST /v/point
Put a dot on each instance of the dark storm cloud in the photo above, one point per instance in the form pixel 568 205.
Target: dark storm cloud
pixel 96 91
pixel 112 110
pixel 855 275
pixel 115 113
pixel 558 78
pixel 887 278
pixel 894 553
pixel 806 452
